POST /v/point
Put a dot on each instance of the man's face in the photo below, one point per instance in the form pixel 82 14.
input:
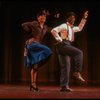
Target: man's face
pixel 71 20
pixel 42 18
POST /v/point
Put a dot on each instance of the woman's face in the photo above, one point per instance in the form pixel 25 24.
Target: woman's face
pixel 42 18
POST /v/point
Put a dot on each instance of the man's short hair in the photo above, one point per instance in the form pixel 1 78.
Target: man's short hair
pixel 69 14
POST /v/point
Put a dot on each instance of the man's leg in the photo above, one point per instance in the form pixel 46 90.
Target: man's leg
pixel 77 54
pixel 64 62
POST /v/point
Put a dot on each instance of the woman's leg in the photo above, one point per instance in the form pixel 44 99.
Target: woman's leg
pixel 33 73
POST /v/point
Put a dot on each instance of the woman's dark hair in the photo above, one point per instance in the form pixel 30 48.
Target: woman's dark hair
pixel 40 13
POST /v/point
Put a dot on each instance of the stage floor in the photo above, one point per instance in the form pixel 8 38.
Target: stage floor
pixel 48 92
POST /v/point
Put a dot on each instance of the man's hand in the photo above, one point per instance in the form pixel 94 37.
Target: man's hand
pixel 58 41
pixel 85 15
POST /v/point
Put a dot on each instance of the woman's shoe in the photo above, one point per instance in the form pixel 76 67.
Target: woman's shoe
pixel 33 88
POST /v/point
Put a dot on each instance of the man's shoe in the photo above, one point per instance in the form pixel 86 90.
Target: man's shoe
pixel 78 76
pixel 64 89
